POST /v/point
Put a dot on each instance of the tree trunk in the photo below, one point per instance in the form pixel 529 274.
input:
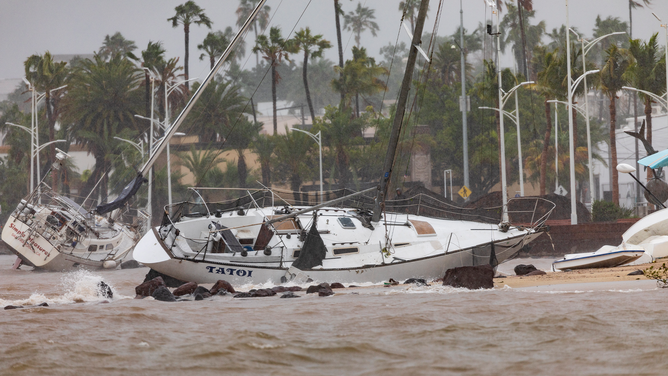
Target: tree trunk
pixel 186 29
pixel 648 129
pixel 574 113
pixel 338 38
pixel 357 105
pixel 212 61
pixel 342 162
pixel 241 168
pixel 613 150
pixel 308 93
pixel 546 145
pixel 523 66
pixel 266 173
pixel 273 95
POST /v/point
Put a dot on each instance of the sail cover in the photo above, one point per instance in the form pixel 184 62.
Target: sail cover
pixel 313 251
pixel 126 194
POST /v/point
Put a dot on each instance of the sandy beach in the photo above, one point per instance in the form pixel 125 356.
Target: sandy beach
pixel 616 274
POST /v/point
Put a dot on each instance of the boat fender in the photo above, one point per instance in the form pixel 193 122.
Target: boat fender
pixel 241 212
pixel 244 253
pixel 267 251
pixel 504 226
pixel 109 264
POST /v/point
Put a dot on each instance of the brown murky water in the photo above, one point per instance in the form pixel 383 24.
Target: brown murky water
pixel 611 329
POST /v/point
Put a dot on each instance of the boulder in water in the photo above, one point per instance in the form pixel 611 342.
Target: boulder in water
pixel 289 294
pixel 416 281
pixel 470 277
pixel 131 264
pixel 222 284
pixel 322 289
pixel 148 287
pixel 337 285
pixel 104 290
pixel 535 272
pixel 522 269
pixel 185 289
pixel 163 294
pixel 263 292
pixel 169 281
pixel 200 290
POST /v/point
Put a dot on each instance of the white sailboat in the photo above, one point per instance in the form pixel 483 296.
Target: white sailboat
pixel 256 240
pixel 52 232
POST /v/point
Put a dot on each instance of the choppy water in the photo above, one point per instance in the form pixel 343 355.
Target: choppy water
pixel 584 330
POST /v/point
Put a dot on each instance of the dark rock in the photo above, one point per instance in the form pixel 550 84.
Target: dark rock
pixel 470 277
pixel 294 288
pixel 263 292
pixel 185 289
pixel 199 297
pixel 351 286
pixel 393 282
pixel 522 269
pixel 163 294
pixel 535 272
pixel 148 287
pixel 244 295
pixel 131 264
pixel 279 288
pixel 13 307
pixel 637 272
pixel 46 305
pixel 168 281
pixel 337 285
pixel 417 281
pixel 323 289
pixel 104 290
pixel 309 280
pixel 202 291
pixel 222 284
pixel 289 294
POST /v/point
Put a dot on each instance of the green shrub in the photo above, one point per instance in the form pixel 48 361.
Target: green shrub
pixel 606 211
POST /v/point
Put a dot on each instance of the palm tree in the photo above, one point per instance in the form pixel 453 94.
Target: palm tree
pixel 612 79
pixel 200 163
pixel 313 46
pixel 340 133
pixel 263 146
pixel 519 31
pixel 291 149
pixel 274 49
pixel 261 20
pixel 102 99
pixel 47 75
pixel 523 5
pixel 167 71
pixel 646 74
pixel 187 14
pixel 633 4
pixel 360 76
pixel 359 21
pixel 411 8
pixel 240 135
pixel 152 56
pixel 219 108
pixel 337 12
pixel 215 44
pixel 115 44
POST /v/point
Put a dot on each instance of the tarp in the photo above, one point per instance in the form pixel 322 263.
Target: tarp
pixel 313 251
pixel 656 160
pixel 126 194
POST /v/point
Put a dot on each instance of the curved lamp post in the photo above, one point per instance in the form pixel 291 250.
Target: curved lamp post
pixel 317 138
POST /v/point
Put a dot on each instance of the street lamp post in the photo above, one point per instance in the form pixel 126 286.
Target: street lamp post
pixel 586 47
pixel 317 138
pixel 463 103
pixel 139 146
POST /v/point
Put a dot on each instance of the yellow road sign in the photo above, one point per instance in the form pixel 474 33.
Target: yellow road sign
pixel 465 192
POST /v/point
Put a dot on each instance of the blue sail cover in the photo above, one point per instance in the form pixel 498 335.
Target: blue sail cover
pixel 126 194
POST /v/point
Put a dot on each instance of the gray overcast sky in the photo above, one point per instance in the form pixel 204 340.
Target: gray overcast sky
pixel 79 26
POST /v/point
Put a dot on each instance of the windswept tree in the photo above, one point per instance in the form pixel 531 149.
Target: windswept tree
pixel 612 79
pixel 360 20
pixel 151 57
pixel 263 146
pixel 200 163
pixel 115 44
pixel 215 44
pixel 274 49
pixel 239 135
pixel 291 151
pixel 337 13
pixel 361 76
pixel 411 9
pixel 259 23
pixel 219 107
pixel 187 14
pixel 519 32
pixel 48 76
pixel 313 47
pixel 101 102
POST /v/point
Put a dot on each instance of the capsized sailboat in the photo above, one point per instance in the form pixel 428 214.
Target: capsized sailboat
pixel 262 238
pixel 52 232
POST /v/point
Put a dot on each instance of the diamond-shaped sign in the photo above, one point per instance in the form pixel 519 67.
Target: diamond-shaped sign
pixel 561 191
pixel 465 192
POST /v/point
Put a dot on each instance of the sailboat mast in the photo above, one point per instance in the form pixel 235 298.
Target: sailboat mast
pixel 399 116
pixel 179 119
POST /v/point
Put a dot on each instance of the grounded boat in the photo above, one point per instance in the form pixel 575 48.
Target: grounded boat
pixel 246 241
pixel 606 257
pixel 59 234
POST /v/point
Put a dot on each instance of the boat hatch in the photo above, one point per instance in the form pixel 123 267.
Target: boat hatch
pixel 344 251
pixel 288 226
pixel 346 223
pixel 92 248
pixel 296 253
pixel 422 228
pixel 109 247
